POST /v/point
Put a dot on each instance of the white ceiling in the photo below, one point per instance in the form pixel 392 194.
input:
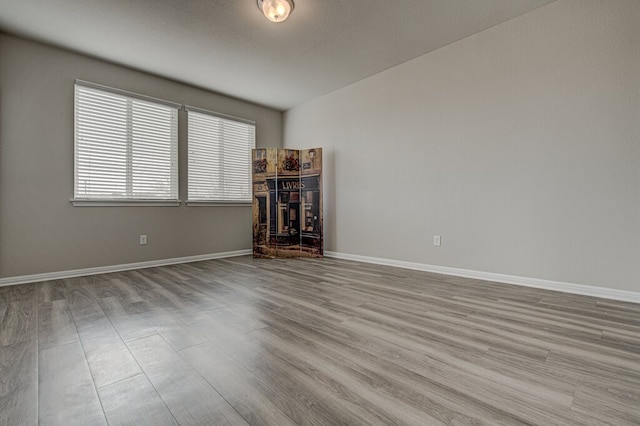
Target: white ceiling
pixel 229 47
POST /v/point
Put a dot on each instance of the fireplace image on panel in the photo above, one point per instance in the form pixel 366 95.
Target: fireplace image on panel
pixel 287 203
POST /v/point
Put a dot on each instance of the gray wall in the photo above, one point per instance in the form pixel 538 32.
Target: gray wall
pixel 40 231
pixel 519 145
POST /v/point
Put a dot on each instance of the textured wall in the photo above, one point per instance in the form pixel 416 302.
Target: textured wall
pixel 520 146
pixel 40 231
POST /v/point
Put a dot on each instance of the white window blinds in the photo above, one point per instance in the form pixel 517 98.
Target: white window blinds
pixel 126 146
pixel 219 157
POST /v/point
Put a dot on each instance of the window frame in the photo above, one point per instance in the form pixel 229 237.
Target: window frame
pixel 174 173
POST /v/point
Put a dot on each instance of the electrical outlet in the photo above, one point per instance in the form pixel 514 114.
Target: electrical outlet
pixel 436 240
pixel 143 239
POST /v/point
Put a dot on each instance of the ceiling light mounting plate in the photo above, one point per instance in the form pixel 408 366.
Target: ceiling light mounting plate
pixel 276 10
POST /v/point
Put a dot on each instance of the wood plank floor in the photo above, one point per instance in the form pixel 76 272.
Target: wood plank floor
pixel 312 341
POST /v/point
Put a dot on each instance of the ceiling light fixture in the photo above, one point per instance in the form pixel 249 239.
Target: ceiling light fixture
pixel 276 10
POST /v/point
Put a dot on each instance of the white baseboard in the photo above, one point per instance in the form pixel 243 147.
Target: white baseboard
pixel 585 290
pixel 23 279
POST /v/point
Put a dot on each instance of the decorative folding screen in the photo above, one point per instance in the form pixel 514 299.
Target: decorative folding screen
pixel 287 202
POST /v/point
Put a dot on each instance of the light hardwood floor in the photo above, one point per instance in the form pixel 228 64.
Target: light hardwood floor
pixel 312 341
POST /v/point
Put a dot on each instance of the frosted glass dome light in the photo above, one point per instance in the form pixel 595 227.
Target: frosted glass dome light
pixel 276 10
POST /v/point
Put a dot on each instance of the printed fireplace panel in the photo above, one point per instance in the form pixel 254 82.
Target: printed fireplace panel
pixel 287 203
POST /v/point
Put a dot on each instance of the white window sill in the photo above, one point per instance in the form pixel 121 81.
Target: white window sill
pixel 125 203
pixel 202 203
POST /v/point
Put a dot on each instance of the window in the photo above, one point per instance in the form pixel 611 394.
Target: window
pixel 126 146
pixel 219 157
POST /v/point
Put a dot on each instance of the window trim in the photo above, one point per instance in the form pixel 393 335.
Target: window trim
pixel 205 203
pixel 122 92
pixel 217 114
pixel 78 202
pixel 128 202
